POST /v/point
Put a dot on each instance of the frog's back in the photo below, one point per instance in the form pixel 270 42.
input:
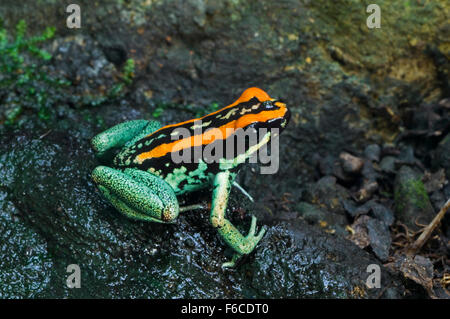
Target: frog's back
pixel 180 151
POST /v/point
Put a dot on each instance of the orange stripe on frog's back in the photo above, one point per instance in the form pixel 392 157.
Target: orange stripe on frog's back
pixel 212 134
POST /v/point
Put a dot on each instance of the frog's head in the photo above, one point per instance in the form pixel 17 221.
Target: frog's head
pixel 259 110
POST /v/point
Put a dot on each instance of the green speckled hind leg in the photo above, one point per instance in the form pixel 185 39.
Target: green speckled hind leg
pixel 122 134
pixel 242 245
pixel 137 194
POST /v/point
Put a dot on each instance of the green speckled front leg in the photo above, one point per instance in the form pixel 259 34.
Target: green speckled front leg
pixel 137 194
pixel 122 134
pixel 242 245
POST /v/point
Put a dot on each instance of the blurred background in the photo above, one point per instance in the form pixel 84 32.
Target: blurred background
pixel 364 161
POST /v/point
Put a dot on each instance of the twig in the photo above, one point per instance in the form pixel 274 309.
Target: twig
pixel 44 135
pixel 191 207
pixel 423 238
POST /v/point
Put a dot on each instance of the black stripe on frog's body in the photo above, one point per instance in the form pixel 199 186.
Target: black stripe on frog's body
pixel 163 135
pixel 256 114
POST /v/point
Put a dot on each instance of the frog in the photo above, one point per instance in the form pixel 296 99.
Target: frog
pixel 144 181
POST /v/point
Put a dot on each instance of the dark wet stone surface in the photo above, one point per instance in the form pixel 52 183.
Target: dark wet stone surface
pixel 372 152
pixel 388 164
pixel 443 154
pixel 379 211
pixel 67 219
pixel 380 238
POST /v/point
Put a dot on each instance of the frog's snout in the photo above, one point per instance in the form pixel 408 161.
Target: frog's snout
pixel 286 118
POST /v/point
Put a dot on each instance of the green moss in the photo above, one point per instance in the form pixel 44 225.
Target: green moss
pixel 421 199
pixel 22 71
pixel 414 191
pixel 126 79
pixel 401 22
pixel 27 85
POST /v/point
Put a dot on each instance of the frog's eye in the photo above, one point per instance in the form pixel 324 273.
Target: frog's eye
pixel 268 105
pixel 273 105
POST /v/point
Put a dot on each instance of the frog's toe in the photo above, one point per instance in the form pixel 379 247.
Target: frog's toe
pixel 229 264
pixel 251 235
pixel 261 234
pixel 232 262
pixel 252 230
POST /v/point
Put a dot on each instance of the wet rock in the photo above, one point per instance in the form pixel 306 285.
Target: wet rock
pixel 367 231
pixel 308 249
pixel 327 193
pixel 351 164
pixel 443 155
pixel 81 60
pixel 350 207
pixel 366 192
pixel 434 181
pixel 416 268
pixel 388 164
pixel 359 234
pixel 326 164
pixel 368 171
pixel 329 222
pixel 311 213
pixel 369 183
pixel 48 186
pixel 188 51
pixel 380 238
pixel 377 210
pixel 411 199
pixel 25 263
pixel 329 165
pixel 407 156
pixel 438 200
pixel 372 152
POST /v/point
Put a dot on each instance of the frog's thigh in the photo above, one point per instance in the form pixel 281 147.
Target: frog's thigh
pixel 129 194
pixel 160 188
pixel 124 208
pixel 120 134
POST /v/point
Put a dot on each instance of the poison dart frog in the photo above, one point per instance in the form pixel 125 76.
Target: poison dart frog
pixel 144 180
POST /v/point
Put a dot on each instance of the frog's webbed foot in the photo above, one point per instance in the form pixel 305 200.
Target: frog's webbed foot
pixel 245 245
pixel 232 262
pixel 251 233
pixel 250 238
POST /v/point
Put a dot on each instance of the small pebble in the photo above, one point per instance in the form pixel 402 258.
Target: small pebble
pixel 372 152
pixel 351 164
pixel 388 164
